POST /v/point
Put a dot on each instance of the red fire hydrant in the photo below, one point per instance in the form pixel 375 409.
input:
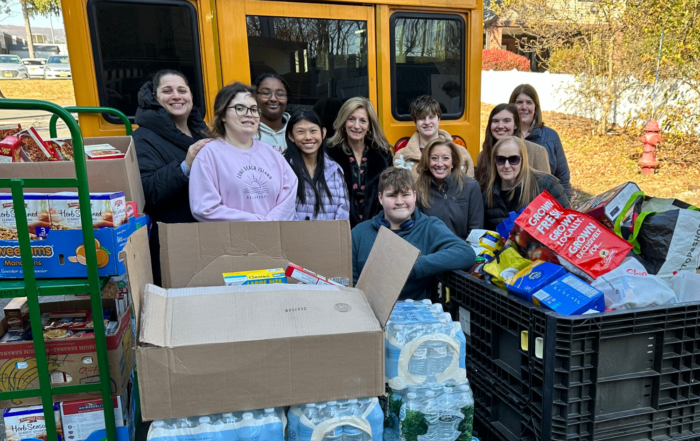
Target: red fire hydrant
pixel 651 139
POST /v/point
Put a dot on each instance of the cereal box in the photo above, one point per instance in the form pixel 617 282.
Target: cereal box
pixel 103 151
pixel 108 210
pixel 37 208
pixel 9 130
pixel 10 149
pixel 34 149
pixel 81 418
pixel 17 313
pixel 28 422
pixel 64 146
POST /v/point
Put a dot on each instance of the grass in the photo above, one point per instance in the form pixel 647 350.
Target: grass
pixel 599 163
pixel 57 91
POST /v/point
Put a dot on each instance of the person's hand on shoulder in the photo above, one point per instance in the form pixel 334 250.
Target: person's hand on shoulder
pixel 193 150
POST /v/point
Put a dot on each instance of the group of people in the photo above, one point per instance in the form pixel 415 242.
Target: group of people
pixel 257 162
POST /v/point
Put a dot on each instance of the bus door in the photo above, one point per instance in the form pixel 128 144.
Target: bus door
pixel 325 52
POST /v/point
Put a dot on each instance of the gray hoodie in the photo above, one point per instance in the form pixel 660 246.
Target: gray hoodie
pixel 277 140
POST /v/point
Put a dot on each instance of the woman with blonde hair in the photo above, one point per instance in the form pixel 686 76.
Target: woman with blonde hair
pixel 513 184
pixel 362 151
pixel 445 191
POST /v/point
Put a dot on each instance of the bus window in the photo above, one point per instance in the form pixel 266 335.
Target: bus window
pixel 427 58
pixel 132 41
pixel 324 61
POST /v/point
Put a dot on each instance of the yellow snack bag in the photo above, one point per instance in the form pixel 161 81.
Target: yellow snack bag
pixel 505 265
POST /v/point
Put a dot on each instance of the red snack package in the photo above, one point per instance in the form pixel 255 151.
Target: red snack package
pixel 10 149
pixel 34 148
pixel 9 130
pixel 575 236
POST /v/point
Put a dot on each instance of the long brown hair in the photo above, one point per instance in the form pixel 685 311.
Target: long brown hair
pixel 532 93
pixel 527 178
pixel 375 136
pixel 217 127
pixel 483 169
pixel 425 177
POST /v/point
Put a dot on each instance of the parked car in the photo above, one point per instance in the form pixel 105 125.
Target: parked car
pixel 11 68
pixel 57 67
pixel 35 66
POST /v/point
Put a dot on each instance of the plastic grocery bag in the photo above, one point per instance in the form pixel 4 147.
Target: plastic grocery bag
pixel 371 422
pixel 686 285
pixel 665 233
pixel 630 286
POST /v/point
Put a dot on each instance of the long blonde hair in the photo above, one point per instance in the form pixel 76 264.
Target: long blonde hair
pixel 375 136
pixel 527 178
pixel 425 177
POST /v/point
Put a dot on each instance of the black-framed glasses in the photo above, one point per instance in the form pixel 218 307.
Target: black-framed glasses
pixel 242 110
pixel 267 93
pixel 512 160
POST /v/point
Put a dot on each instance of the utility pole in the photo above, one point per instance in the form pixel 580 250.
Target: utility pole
pixel 27 27
pixel 53 37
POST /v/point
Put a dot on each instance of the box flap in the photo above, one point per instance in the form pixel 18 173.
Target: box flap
pixel 138 267
pixel 197 254
pixel 198 316
pixel 384 275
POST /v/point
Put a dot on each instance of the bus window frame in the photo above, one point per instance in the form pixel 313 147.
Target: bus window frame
pixel 463 55
pixel 198 90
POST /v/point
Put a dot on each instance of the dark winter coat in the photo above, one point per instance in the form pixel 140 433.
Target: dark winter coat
pixel 461 212
pixel 377 162
pixel 499 212
pixel 549 139
pixel 161 148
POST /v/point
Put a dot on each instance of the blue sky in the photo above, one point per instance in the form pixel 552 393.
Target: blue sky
pixel 15 18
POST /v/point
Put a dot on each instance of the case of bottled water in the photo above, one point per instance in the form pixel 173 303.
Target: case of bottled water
pixel 423 345
pixel 435 412
pixel 346 420
pixel 255 425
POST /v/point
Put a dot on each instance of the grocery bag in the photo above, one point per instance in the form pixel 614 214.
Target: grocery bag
pixel 665 233
pixel 576 237
pixel 630 286
pixel 686 285
pixel 371 422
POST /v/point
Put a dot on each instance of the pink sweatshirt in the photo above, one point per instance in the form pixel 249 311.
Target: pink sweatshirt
pixel 232 185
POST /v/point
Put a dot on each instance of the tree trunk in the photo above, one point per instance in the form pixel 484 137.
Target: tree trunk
pixel 28 28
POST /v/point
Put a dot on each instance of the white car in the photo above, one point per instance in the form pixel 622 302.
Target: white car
pixel 11 68
pixel 35 66
pixel 57 68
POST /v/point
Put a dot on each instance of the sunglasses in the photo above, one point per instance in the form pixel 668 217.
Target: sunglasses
pixel 512 160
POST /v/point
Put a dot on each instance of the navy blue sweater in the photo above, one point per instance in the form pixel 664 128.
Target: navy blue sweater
pixel 440 251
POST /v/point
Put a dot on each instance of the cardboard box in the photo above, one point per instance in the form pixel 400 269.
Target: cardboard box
pixel 263 345
pixel 107 175
pixel 306 276
pixel 10 149
pixel 29 422
pixel 17 313
pixel 62 254
pixel 37 208
pixel 569 295
pixel 606 207
pixel 82 417
pixel 71 361
pixel 108 210
pixel 259 277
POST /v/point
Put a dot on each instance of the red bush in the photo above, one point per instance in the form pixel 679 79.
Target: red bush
pixel 499 59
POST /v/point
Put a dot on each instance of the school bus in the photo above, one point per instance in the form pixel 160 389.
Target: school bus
pixel 390 51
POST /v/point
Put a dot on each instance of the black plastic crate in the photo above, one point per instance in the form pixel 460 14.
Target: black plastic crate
pixel 621 375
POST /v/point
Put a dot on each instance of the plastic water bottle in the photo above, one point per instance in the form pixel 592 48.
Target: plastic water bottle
pixel 205 420
pixel 228 418
pixel 332 412
pixel 417 365
pixel 432 416
pixel 449 415
pixel 310 411
pixel 249 430
pixel 183 423
pixel 436 359
pixel 411 403
pixel 351 433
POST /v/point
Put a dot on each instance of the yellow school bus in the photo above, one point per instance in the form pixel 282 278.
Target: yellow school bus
pixel 328 51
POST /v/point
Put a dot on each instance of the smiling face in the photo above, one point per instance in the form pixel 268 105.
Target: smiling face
pixel 357 125
pixel 502 125
pixel 428 125
pixel 440 162
pixel 507 171
pixel 526 109
pixel 273 106
pixel 241 126
pixel 308 137
pixel 398 205
pixel 175 96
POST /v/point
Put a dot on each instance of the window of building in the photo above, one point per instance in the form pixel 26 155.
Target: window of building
pixel 427 58
pixel 133 40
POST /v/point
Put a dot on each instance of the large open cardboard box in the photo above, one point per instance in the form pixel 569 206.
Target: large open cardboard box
pixel 104 175
pixel 205 349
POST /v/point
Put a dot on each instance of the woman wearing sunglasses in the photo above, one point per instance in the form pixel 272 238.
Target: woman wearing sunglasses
pixel 513 184
pixel 237 178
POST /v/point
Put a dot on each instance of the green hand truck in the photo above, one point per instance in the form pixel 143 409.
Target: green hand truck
pixel 32 288
pixel 76 109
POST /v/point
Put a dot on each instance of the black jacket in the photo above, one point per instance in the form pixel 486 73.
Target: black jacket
pixel 460 212
pixel 377 162
pixel 161 147
pixel 498 213
pixel 549 139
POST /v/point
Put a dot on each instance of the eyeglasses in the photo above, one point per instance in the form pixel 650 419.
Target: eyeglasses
pixel 267 93
pixel 512 160
pixel 242 110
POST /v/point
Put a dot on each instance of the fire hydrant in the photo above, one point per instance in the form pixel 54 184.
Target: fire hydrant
pixel 651 139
